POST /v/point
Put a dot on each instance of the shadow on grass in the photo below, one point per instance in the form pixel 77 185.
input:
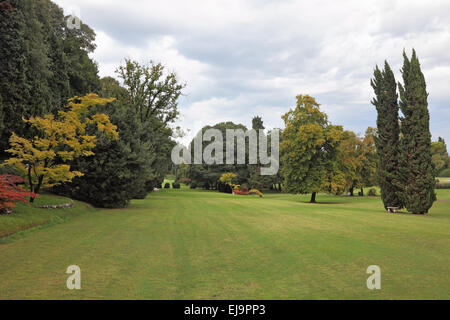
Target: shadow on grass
pixel 406 213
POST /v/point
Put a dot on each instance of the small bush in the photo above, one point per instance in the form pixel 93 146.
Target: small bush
pixel 445 173
pixel 256 191
pixel 244 189
pixel 372 193
pixel 193 186
pixel 176 185
pixel 11 193
pixel 167 186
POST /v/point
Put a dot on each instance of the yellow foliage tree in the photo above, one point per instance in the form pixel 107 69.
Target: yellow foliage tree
pixel 228 179
pixel 309 149
pixel 256 191
pixel 356 163
pixel 43 159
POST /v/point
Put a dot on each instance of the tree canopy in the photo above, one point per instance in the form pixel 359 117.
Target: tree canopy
pixel 43 159
pixel 43 63
pixel 309 147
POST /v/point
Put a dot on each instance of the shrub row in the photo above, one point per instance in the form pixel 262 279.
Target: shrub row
pixel 175 185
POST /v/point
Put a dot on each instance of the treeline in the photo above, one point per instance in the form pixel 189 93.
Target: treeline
pixel 136 163
pixel 43 63
pixel 207 176
pixel 351 163
pixel 317 156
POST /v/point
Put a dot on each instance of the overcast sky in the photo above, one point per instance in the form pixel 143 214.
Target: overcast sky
pixel 245 58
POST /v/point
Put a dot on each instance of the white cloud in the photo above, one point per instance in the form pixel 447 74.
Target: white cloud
pixel 245 58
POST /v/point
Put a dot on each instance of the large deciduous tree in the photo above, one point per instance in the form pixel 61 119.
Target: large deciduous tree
pixel 387 140
pixel 208 176
pixel 357 163
pixel 417 176
pixel 152 93
pixel 152 96
pixel 369 168
pixel 59 140
pixel 309 147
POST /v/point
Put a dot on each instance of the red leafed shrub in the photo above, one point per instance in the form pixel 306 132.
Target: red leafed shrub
pixel 10 192
pixel 244 189
pixel 12 179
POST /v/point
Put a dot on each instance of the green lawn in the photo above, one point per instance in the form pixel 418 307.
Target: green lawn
pixel 185 244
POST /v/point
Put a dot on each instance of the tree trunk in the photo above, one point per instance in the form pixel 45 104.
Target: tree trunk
pixel 351 192
pixel 362 192
pixel 30 182
pixel 38 187
pixel 313 197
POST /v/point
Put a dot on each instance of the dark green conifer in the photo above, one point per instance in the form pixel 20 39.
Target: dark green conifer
pixel 386 103
pixel 416 169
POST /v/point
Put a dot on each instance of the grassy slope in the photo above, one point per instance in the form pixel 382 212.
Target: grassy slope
pixel 27 216
pixel 205 245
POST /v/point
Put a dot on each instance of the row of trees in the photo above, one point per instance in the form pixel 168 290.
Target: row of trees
pixel 407 172
pixel 136 163
pixel 43 136
pixel 315 156
pixel 208 176
pixel 319 156
pixel 44 63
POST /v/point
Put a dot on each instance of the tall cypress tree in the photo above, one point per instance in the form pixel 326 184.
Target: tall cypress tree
pixel 416 168
pixel 386 103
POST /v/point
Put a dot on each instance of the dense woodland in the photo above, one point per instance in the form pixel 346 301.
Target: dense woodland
pixel 44 64
pixel 114 136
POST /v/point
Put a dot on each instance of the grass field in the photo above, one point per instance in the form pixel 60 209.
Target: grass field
pixel 185 244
